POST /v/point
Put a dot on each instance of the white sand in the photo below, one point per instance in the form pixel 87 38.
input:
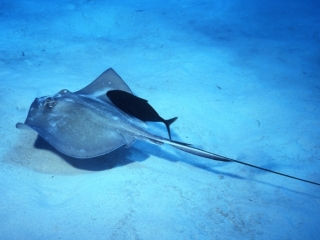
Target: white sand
pixel 242 77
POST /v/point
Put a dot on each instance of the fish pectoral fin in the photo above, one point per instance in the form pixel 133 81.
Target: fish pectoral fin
pixel 129 139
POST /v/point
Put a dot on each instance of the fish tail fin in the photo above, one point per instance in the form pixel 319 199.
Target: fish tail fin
pixel 168 123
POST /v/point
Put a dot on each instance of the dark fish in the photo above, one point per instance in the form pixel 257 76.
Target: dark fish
pixel 137 107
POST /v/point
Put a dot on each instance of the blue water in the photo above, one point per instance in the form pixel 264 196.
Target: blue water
pixel 242 77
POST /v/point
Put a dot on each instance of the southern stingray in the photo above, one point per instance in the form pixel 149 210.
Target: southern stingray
pixel 87 124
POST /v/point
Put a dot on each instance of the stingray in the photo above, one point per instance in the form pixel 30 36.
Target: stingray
pixel 138 107
pixel 86 124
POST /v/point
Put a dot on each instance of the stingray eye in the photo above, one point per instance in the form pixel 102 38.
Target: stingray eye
pixel 52 104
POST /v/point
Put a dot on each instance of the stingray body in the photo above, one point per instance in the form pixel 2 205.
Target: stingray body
pixel 87 124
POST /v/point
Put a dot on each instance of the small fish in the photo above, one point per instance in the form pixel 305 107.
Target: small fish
pixel 137 107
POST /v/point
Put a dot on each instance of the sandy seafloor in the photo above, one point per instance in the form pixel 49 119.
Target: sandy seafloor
pixel 243 78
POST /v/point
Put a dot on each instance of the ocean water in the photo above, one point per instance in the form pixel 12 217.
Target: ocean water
pixel 242 77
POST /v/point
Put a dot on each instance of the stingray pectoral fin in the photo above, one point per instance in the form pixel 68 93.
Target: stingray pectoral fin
pixel 108 80
pixel 78 145
pixel 20 125
pixel 94 148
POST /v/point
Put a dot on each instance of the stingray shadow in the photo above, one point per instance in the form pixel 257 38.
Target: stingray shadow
pixel 123 156
pixel 117 158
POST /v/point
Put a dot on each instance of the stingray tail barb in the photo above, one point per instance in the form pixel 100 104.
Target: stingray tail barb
pixel 199 152
pixel 189 148
pixel 168 123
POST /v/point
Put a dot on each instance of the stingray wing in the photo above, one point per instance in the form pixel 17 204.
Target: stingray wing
pixel 108 80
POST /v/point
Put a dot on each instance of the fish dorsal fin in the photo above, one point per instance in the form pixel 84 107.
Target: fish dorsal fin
pixel 108 80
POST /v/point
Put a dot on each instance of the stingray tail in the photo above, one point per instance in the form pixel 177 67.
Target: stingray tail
pixel 201 153
pixel 168 123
